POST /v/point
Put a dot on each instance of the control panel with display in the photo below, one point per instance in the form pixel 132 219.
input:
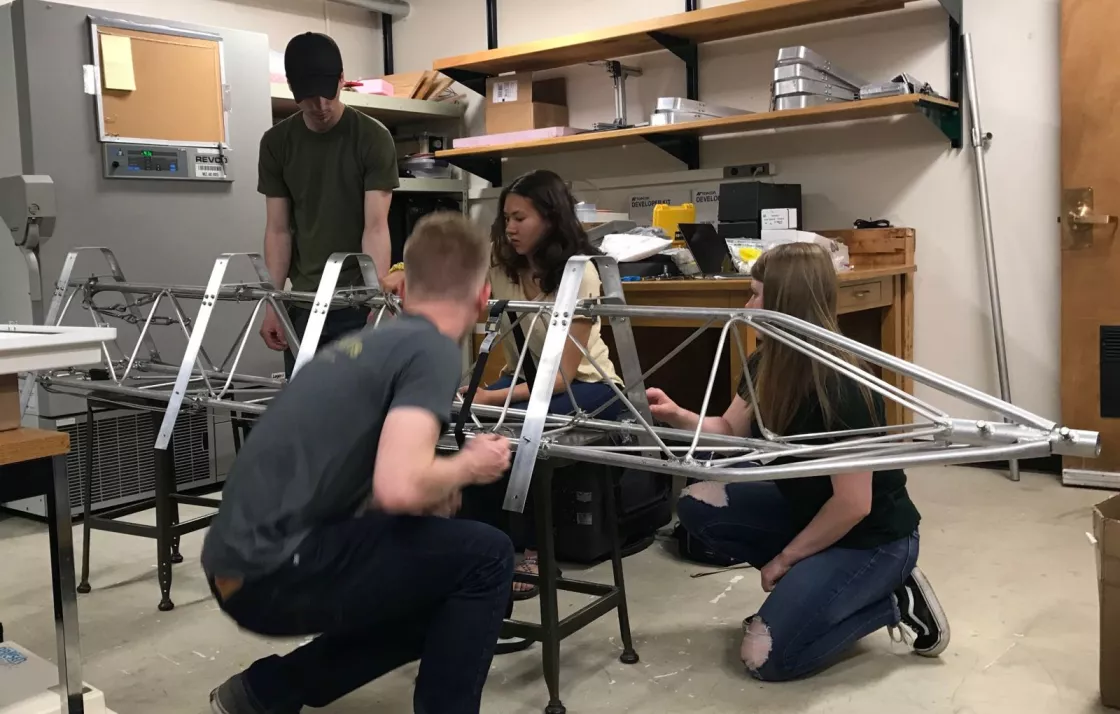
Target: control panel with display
pixel 136 161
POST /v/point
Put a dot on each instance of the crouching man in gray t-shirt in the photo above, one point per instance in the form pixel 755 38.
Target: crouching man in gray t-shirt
pixel 331 524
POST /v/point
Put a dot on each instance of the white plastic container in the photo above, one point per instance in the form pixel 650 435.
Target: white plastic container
pixel 586 212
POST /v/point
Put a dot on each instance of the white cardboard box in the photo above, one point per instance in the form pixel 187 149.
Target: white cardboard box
pixel 29 685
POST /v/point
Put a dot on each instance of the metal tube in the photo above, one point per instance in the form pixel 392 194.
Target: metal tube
pixel 590 308
pixel 802 470
pixel 387 60
pixel 979 139
pixel 888 391
pixel 491 24
pixel 620 96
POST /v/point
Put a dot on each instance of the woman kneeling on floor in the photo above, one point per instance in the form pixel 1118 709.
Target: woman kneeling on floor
pixel 534 234
pixel 837 554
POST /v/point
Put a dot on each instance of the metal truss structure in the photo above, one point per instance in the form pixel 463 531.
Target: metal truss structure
pixel 195 381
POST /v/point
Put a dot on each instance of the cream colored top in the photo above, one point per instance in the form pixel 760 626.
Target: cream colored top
pixel 504 289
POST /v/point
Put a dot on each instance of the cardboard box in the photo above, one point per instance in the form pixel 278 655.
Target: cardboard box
pixel 1106 530
pixel 9 402
pixel 515 102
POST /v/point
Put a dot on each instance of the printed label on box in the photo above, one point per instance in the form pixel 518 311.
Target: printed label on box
pixel 776 219
pixel 505 92
pixel 706 197
pixel 641 204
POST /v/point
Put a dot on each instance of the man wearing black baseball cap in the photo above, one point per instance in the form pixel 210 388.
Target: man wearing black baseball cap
pixel 327 174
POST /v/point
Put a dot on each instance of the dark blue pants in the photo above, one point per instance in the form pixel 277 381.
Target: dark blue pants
pixel 825 603
pixel 484 503
pixel 381 591
pixel 339 322
pixel 589 397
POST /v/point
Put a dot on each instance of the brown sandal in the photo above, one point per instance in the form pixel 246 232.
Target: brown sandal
pixel 529 565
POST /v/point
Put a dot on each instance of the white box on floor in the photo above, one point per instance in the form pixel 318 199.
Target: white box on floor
pixel 29 685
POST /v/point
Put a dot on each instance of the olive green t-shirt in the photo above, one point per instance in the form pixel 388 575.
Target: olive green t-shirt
pixel 325 177
pixel 893 515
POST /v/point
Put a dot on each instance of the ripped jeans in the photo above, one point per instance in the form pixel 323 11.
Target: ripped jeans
pixel 823 605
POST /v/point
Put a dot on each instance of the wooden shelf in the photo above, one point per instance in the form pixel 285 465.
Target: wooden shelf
pixel 390 111
pixel 737 19
pixel 663 135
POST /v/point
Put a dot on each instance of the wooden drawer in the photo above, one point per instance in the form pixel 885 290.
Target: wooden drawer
pixel 864 296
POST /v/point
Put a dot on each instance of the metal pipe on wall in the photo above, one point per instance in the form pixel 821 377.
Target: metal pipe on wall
pixel 396 8
pixel 979 140
pixel 387 43
pixel 692 69
pixel 491 24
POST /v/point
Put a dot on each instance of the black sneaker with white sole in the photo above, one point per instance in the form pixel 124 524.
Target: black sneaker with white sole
pixel 922 614
pixel 233 698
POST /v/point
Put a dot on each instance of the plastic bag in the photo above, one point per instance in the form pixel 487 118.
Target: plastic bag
pixel 841 259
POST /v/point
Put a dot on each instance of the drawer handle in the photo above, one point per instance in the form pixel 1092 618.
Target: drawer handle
pixel 862 293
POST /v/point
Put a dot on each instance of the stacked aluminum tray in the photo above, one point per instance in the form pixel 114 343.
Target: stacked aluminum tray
pixel 677 110
pixel 902 84
pixel 804 78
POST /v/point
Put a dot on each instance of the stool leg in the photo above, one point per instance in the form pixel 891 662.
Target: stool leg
pixel 173 512
pixel 165 475
pixel 629 655
pixel 87 498
pixel 550 615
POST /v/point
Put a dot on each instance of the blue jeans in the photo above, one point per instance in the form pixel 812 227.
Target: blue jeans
pixel 825 603
pixel 339 322
pixel 381 591
pixel 589 397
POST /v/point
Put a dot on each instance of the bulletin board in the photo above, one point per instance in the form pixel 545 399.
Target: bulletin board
pixel 159 87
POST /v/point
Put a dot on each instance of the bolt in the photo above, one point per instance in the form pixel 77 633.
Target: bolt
pixel 984 427
pixel 1066 433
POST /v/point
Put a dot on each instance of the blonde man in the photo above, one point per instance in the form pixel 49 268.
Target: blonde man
pixel 331 522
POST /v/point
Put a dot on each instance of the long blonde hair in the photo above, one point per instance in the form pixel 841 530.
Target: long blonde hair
pixel 798 280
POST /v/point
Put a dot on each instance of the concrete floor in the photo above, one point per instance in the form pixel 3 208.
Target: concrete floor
pixel 1011 563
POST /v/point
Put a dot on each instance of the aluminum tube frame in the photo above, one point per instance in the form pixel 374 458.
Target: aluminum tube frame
pixel 59 299
pixel 979 144
pixel 966 441
pixel 324 299
pixel 540 396
pixel 190 356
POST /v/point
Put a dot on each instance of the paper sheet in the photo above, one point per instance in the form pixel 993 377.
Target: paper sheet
pixel 116 63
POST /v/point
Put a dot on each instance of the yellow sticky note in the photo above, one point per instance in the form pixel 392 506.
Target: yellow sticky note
pixel 116 63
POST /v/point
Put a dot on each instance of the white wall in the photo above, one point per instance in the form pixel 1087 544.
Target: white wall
pixel 900 170
pixel 356 30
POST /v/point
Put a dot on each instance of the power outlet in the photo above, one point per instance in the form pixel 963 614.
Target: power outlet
pixel 749 170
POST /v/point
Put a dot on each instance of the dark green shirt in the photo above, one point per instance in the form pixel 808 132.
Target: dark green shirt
pixel 325 177
pixel 893 515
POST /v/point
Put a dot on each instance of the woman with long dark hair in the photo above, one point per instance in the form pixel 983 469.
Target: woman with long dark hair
pixel 534 234
pixel 837 554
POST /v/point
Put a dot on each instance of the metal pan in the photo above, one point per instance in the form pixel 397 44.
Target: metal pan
pixel 789 87
pixel 665 118
pixel 803 55
pixel 804 71
pixel 680 104
pixel 803 101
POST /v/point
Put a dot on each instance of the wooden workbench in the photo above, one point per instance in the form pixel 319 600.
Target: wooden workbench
pixel 875 302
